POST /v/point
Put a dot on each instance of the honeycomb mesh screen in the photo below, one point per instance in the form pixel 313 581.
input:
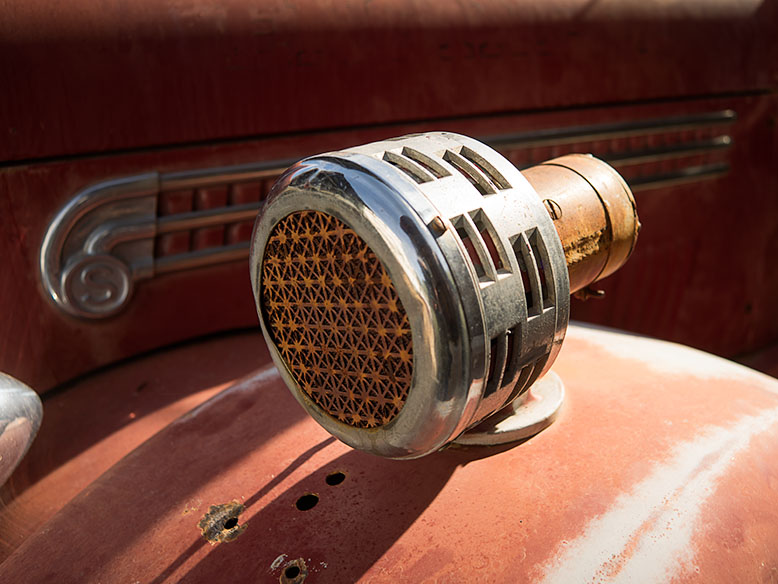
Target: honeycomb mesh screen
pixel 335 317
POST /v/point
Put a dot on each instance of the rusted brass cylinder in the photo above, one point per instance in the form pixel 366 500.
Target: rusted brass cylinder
pixel 594 214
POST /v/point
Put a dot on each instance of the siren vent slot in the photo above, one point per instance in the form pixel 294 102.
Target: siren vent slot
pixel 541 261
pixel 522 379
pixel 491 241
pixel 512 354
pixel 525 378
pixel 486 168
pixel 470 172
pixel 497 355
pixel 530 278
pixel 492 362
pixel 408 166
pixel 461 225
pixel 482 245
pixel 427 162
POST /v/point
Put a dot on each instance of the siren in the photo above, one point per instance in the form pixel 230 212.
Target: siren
pixel 412 291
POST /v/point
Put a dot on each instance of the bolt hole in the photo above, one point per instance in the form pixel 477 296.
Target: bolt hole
pixel 335 478
pixel 307 502
pixel 230 523
pixel 292 572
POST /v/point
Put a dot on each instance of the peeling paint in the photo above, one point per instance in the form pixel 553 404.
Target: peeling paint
pixel 220 523
pixel 295 572
pixel 277 562
pixel 646 536
pixel 583 247
pixel 666 358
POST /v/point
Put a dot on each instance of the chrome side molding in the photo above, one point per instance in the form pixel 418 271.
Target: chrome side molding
pixel 112 234
pixel 118 232
pixel 649 153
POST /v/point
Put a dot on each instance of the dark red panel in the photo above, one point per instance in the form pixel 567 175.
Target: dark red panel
pixel 88 76
pixel 93 423
pixel 701 274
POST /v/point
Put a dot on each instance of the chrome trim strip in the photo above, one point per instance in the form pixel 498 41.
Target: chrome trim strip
pixel 590 133
pixel 676 151
pixel 691 174
pixel 103 241
pixel 209 218
pixel 208 177
pixel 202 258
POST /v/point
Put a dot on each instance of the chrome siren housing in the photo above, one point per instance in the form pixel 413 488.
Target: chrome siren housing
pixel 475 261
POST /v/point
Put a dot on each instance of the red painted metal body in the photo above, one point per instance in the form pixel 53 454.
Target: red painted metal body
pixel 97 92
pixel 661 463
pixel 690 263
pixel 660 468
pixel 97 78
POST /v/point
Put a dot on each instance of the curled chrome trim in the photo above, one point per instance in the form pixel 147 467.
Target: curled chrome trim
pixel 103 241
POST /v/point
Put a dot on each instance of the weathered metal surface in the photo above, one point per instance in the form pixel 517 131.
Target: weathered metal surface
pixel 92 423
pixel 178 71
pixel 675 276
pixel 220 523
pixel 660 468
pixel 594 214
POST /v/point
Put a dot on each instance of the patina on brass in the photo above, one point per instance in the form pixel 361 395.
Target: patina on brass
pixel 336 319
pixel 594 214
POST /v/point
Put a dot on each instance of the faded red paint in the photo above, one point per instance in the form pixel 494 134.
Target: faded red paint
pixel 91 424
pixel 95 91
pixel 91 77
pixel 644 425
pixel 674 276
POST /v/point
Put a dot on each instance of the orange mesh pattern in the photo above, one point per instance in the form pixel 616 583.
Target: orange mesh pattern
pixel 335 317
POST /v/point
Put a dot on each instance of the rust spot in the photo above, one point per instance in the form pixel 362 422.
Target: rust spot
pixel 295 572
pixel 584 246
pixel 220 523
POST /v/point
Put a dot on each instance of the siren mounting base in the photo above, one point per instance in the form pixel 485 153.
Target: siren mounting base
pixel 533 411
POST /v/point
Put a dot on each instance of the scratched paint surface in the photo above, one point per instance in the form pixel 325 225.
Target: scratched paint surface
pixel 662 466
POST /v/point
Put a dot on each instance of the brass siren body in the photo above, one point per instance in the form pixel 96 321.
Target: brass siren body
pixel 594 214
pixel 411 288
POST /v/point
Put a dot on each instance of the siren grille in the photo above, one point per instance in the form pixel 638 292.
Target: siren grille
pixel 335 317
